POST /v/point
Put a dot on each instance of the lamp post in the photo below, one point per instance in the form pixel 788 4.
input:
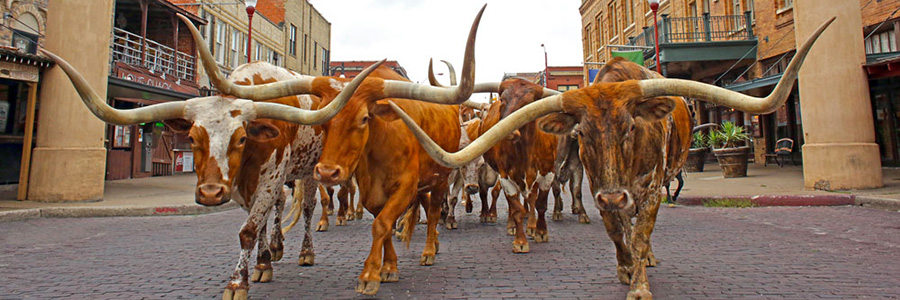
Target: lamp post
pixel 654 6
pixel 251 8
pixel 546 69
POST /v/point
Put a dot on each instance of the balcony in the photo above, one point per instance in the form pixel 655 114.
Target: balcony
pixel 705 38
pixel 160 59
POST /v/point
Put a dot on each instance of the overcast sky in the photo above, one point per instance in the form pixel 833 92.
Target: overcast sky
pixel 412 31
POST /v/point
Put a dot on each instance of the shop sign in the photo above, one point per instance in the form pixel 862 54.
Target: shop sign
pixel 162 81
pixel 21 72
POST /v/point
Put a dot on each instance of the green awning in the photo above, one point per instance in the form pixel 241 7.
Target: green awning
pixel 636 56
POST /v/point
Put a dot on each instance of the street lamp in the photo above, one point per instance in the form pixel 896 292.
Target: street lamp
pixel 546 69
pixel 251 8
pixel 654 5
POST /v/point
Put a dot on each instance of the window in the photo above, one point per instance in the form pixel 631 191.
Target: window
pixel 220 43
pixel 748 4
pixel 243 48
pixel 587 41
pixel 292 44
pixel 882 42
pixel 25 42
pixel 612 23
pixel 629 12
pixel 235 41
pixel 315 55
pixel 305 37
pixel 563 88
pixel 706 6
pixel 784 5
pixel 259 51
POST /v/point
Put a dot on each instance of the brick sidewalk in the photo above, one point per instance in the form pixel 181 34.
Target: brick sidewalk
pixel 706 253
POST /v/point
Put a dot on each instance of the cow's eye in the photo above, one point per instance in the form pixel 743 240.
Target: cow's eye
pixel 631 129
pixel 365 120
pixel 191 139
pixel 242 140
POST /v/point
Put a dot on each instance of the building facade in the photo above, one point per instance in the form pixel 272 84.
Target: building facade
pixel 710 41
pixel 351 68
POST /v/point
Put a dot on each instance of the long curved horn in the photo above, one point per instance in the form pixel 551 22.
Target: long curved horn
pixel 713 94
pixel 487 140
pixel 494 87
pixel 452 72
pixel 433 80
pixel 306 117
pixel 257 92
pixel 108 114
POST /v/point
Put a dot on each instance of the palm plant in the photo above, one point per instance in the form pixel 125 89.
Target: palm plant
pixel 699 140
pixel 728 135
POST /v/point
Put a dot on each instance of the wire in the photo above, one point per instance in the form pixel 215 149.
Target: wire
pixel 882 23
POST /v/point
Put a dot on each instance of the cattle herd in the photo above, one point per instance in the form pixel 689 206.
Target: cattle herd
pixel 272 133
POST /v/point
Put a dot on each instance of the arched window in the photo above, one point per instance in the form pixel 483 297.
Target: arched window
pixel 25 33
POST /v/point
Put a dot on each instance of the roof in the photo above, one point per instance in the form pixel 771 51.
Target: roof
pixel 13 55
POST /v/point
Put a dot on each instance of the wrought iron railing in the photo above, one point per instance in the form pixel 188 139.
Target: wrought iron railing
pixel 696 29
pixel 160 59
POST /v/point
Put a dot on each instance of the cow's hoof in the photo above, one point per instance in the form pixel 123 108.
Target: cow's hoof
pixel 351 216
pixel 322 226
pixel 329 211
pixel 368 287
pixel 236 294
pixel 441 221
pixel 261 275
pixel 521 248
pixel 469 207
pixel 639 295
pixel 359 215
pixel 651 262
pixel 488 219
pixel 576 210
pixel 390 276
pixel 511 231
pixel 584 219
pixel 557 216
pixel 451 224
pixel 307 259
pixel 492 219
pixel 529 231
pixel 623 274
pixel 277 255
pixel 341 221
pixel 426 260
pixel 541 237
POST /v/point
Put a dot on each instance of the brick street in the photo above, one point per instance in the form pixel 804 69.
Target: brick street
pixel 705 253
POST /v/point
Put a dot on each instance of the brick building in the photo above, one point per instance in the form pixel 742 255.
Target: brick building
pixel 350 69
pixel 710 41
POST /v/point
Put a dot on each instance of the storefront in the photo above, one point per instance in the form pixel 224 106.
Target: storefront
pixel 19 77
pixel 884 88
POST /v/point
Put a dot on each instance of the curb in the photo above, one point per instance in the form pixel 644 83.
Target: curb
pixel 89 212
pixel 878 203
pixel 776 200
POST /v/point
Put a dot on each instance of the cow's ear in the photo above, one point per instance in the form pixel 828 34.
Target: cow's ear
pixel 382 110
pixel 654 108
pixel 179 125
pixel 262 131
pixel 558 123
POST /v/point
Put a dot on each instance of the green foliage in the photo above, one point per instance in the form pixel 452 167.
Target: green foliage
pixel 741 203
pixel 728 135
pixel 699 140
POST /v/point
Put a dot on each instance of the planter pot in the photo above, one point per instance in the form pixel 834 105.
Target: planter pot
pixel 695 160
pixel 733 161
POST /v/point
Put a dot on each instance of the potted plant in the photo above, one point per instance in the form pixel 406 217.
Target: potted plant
pixel 728 146
pixel 697 154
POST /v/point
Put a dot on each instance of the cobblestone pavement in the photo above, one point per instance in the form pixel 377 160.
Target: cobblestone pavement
pixel 705 253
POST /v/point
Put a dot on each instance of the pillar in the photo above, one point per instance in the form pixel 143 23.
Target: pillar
pixel 840 150
pixel 69 160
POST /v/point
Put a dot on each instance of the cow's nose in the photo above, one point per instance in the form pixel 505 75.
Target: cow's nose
pixel 471 189
pixel 612 201
pixel 211 194
pixel 327 173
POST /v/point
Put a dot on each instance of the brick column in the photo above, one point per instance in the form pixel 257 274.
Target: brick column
pixel 840 150
pixel 69 160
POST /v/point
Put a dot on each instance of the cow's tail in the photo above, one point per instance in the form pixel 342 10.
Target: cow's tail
pixel 409 222
pixel 296 207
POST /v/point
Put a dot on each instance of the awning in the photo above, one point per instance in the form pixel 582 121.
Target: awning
pixel 755 83
pixel 883 65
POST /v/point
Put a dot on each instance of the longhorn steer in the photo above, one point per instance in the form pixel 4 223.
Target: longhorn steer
pixel 569 170
pixel 390 168
pixel 633 138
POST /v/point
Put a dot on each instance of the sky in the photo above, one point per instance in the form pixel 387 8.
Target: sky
pixel 413 31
